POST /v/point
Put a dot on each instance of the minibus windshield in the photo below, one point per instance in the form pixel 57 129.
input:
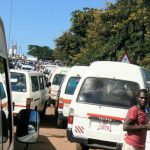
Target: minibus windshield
pixel 113 92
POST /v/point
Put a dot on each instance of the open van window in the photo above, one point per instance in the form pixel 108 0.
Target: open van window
pixel 105 91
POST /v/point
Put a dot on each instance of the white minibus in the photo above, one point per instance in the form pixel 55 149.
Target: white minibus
pixel 6 109
pixel 67 92
pixel 56 78
pixel 29 90
pixel 101 101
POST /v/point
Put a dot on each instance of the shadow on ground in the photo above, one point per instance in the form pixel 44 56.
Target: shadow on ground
pixel 42 143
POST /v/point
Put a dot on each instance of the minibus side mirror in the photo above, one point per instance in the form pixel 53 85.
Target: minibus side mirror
pixel 27 129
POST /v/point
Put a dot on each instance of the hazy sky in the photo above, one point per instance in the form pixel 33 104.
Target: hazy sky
pixel 40 22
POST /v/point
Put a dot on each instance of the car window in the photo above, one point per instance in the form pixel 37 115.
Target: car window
pixel 18 82
pixel 103 91
pixel 58 79
pixel 71 85
pixel 35 85
pixel 41 81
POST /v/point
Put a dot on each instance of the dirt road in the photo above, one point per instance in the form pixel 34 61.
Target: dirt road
pixel 50 138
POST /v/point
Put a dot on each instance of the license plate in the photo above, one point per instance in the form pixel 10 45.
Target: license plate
pixel 101 125
pixel 105 126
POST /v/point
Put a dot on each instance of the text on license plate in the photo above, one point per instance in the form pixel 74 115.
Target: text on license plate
pixel 105 126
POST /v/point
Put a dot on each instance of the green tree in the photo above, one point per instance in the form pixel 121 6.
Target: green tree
pixel 106 34
pixel 41 52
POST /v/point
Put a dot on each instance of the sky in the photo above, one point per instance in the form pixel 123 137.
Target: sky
pixel 40 22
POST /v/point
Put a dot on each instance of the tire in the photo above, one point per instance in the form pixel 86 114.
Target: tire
pixel 42 113
pixel 60 123
pixel 81 147
pixel 119 147
pixel 56 112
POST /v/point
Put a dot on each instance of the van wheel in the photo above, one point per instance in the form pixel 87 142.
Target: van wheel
pixel 60 123
pixel 81 147
pixel 56 112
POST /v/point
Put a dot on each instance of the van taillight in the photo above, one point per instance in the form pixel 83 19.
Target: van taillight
pixel 28 103
pixel 71 116
pixel 70 119
pixel 61 103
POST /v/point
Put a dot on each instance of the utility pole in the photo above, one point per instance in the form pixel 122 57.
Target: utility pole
pixel 10 23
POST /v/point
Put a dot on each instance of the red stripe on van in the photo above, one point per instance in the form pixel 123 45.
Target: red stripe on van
pixel 105 116
pixel 67 101
pixel 20 106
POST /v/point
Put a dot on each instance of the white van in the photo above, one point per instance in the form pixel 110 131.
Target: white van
pixel 6 110
pixel 27 67
pixel 101 101
pixel 3 95
pixel 28 90
pixel 67 92
pixel 56 79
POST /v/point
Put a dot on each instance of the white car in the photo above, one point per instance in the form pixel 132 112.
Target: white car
pixel 27 67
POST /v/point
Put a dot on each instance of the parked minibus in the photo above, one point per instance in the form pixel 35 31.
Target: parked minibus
pixel 100 104
pixel 67 92
pixel 25 118
pixel 29 89
pixel 55 80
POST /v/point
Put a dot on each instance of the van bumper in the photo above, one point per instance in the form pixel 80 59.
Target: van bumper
pixel 93 143
pixel 72 138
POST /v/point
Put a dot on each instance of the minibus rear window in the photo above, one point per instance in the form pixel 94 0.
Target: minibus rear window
pixel 18 82
pixel 72 84
pixel 112 92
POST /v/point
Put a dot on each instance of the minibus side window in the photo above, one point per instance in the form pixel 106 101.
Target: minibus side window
pixel 71 85
pixel 58 79
pixel 41 81
pixel 35 85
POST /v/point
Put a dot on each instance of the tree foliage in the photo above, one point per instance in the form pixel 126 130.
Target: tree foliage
pixel 107 34
pixel 41 52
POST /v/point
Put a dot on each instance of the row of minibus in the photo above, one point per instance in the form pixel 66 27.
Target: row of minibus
pixel 93 102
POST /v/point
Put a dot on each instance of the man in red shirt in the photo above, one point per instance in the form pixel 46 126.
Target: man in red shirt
pixel 136 124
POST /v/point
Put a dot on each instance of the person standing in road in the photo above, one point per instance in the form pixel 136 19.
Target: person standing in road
pixel 136 124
